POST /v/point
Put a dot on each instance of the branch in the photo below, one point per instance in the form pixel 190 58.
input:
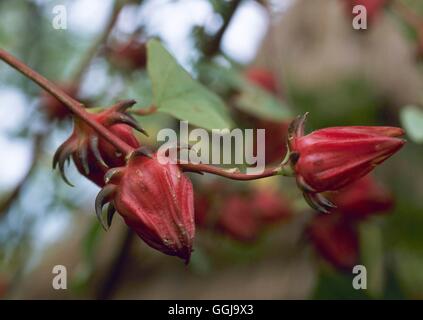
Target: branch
pixel 101 40
pixel 234 175
pixel 73 105
pixel 213 47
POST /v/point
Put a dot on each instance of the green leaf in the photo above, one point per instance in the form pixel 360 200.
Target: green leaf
pixel 222 80
pixel 408 266
pixel 250 98
pixel 412 120
pixel 256 101
pixel 176 93
pixel 139 88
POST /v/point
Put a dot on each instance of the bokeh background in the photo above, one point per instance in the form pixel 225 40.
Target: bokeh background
pixel 296 55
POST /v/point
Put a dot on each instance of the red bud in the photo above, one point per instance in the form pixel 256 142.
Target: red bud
pixel 329 159
pixel 156 201
pixel 93 156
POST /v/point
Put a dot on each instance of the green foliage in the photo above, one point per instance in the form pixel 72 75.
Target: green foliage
pixel 409 265
pixel 176 93
pixel 351 101
pixel 258 102
pixel 334 285
pixel 248 97
pixel 404 227
pixel 139 88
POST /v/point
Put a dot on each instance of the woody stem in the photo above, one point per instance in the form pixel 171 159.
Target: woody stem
pixel 98 43
pixel 73 105
pixel 205 168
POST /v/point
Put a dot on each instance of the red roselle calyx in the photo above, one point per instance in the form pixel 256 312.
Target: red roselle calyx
pixel 362 198
pixel 93 156
pixel 336 240
pixel 331 158
pixel 155 200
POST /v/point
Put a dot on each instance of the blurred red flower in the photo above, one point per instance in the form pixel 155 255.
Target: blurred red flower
pixel 335 235
pixel 335 239
pixel 242 216
pixel 53 108
pixel 131 55
pixel 363 198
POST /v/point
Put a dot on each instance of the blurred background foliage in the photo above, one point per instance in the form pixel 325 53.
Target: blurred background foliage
pixel 255 64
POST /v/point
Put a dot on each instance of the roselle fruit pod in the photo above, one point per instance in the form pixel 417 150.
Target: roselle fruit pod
pixel 92 155
pixel 331 158
pixel 155 200
pixel 362 199
pixel 336 240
